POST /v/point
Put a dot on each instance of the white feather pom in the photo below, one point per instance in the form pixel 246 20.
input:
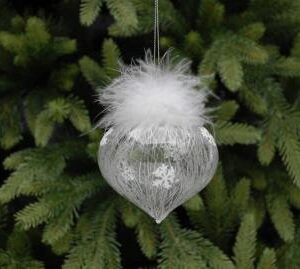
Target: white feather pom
pixel 147 95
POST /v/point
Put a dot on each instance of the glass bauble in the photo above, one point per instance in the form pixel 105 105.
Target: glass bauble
pixel 158 169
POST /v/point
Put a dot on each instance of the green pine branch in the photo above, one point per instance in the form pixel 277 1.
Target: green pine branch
pixel 147 236
pixel 289 256
pixel 231 72
pixel 281 216
pixel 244 248
pixel 187 249
pixel 227 110
pixel 57 111
pixel 89 10
pixel 267 259
pixel 111 56
pixel 228 133
pixel 17 253
pixel 96 246
pixel 289 149
pixel 125 16
pixel 37 167
pixel 92 72
pixel 266 149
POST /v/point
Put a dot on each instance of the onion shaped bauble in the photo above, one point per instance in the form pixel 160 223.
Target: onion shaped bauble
pixel 156 151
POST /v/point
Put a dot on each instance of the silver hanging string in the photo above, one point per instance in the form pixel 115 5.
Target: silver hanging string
pixel 156 50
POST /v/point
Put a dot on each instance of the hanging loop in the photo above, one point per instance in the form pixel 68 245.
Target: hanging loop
pixel 156 49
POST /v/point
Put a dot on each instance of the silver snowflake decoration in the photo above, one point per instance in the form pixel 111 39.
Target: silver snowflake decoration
pixel 165 176
pixel 127 172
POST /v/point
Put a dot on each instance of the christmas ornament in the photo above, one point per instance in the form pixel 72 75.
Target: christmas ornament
pixel 156 151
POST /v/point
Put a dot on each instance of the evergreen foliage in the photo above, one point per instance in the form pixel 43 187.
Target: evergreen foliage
pixel 17 253
pixel 56 210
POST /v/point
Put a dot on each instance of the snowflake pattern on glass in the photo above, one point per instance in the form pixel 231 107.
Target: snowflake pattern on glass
pixel 127 172
pixel 165 176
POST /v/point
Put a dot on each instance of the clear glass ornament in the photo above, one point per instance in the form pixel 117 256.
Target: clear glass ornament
pixel 158 169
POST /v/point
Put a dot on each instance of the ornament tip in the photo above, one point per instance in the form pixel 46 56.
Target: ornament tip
pixel 158 221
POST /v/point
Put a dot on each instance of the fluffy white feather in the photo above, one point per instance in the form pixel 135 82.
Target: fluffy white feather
pixel 148 95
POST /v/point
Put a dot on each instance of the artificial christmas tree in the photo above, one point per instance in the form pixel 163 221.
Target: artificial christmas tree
pixel 55 206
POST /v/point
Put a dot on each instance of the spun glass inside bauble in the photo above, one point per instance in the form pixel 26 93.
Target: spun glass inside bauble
pixel 158 169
